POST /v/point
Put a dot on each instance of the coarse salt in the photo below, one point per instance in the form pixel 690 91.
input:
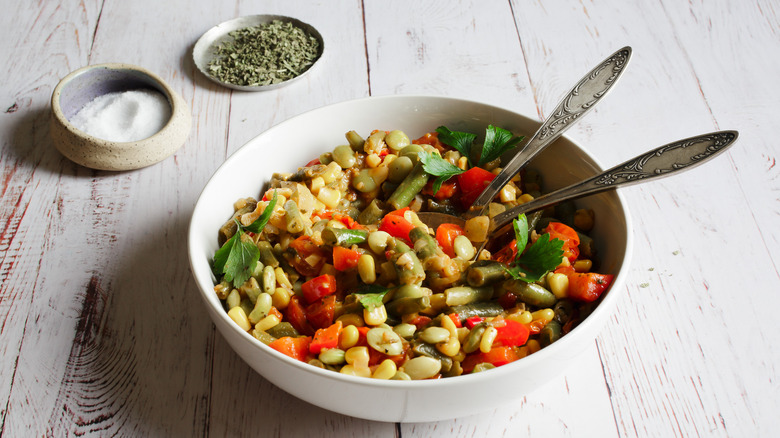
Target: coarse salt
pixel 124 116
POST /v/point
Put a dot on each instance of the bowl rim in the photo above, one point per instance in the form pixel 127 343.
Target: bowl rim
pixel 177 105
pixel 607 302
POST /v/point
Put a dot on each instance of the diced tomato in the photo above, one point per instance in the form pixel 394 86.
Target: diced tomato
pixel 318 287
pixel 320 314
pixel 506 254
pixel 511 334
pixel 396 226
pixel 420 321
pixel 296 315
pixel 473 320
pixel 497 356
pixel 326 338
pixel 274 311
pixel 431 138
pixel 445 235
pixel 313 162
pixel 455 320
pixel 472 182
pixel 588 286
pixel 306 253
pixel 570 238
pixel 508 300
pixel 296 348
pixel 345 259
pixel 343 218
pixel 447 190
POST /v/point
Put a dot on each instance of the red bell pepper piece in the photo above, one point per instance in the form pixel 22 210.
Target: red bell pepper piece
pixel 511 334
pixel 431 138
pixel 326 338
pixel 318 287
pixel 497 356
pixel 570 238
pixel 473 320
pixel 447 190
pixel 396 226
pixel 445 235
pixel 304 248
pixel 296 348
pixel 296 315
pixel 320 314
pixel 420 321
pixel 455 320
pixel 472 182
pixel 588 286
pixel 345 259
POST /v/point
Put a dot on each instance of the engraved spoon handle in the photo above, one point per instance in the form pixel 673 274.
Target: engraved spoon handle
pixel 657 163
pixel 578 102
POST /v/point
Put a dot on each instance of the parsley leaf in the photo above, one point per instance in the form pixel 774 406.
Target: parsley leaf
pixel 535 261
pixel 461 141
pixel 371 296
pixel 521 232
pixel 437 166
pixel 236 259
pixel 497 141
pixel 259 223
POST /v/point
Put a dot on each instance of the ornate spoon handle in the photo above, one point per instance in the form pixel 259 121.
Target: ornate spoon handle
pixel 578 102
pixel 663 161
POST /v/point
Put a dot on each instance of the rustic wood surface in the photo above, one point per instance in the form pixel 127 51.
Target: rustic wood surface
pixel 102 332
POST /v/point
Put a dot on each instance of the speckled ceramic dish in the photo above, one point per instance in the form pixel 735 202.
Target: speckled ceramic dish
pixel 203 52
pixel 247 171
pixel 82 86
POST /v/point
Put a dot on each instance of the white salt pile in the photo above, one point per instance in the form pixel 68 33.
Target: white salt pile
pixel 124 116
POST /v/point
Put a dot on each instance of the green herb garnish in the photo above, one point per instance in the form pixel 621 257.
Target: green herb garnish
pixel 263 55
pixel 535 261
pixel 236 259
pixel 461 141
pixel 437 166
pixel 370 295
pixel 497 141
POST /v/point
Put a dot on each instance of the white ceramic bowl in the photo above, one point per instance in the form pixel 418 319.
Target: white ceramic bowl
pixel 291 144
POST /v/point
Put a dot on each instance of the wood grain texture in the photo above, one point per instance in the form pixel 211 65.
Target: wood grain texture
pixel 102 331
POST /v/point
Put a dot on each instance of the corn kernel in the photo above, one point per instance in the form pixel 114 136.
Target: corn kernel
pixel 385 370
pixel 559 285
pixel 486 343
pixel 238 316
pixel 281 298
pixel 583 265
pixel 357 356
pixel 508 193
pixel 348 337
pixel 267 323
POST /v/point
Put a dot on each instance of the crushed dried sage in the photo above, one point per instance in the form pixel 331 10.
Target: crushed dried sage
pixel 263 55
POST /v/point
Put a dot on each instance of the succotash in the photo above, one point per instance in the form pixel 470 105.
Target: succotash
pixel 331 266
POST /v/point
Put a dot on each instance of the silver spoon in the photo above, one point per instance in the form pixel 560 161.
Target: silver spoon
pixel 657 163
pixel 575 104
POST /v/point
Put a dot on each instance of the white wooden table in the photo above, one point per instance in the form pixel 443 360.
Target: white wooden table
pixel 101 329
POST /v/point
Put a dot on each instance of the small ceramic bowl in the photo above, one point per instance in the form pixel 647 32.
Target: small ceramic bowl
pixel 80 87
pixel 203 52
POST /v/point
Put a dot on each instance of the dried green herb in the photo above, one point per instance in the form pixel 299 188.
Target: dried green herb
pixel 263 55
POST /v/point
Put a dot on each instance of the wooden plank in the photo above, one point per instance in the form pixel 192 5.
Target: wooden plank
pixel 96 358
pixel 60 38
pixel 242 402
